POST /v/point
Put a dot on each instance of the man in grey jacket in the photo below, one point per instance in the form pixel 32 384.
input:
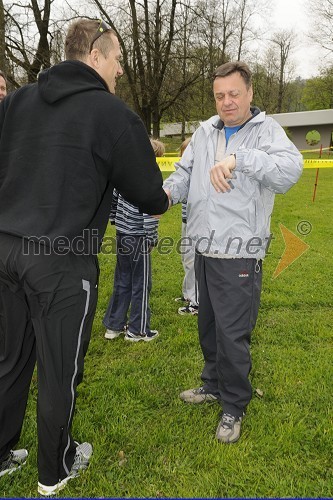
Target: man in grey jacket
pixel 229 173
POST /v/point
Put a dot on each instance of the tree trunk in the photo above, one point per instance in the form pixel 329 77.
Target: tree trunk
pixel 42 57
pixel 183 132
pixel 19 47
pixel 2 39
pixel 156 121
pixel 147 118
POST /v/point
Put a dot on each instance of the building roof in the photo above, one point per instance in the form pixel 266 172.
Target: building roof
pixel 170 129
pixel 305 118
pixel 297 119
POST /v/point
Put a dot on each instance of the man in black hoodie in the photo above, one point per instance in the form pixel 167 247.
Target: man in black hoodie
pixel 65 144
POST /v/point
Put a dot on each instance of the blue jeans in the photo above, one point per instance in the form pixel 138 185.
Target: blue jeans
pixel 132 286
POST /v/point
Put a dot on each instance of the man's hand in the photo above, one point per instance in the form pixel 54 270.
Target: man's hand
pixel 222 171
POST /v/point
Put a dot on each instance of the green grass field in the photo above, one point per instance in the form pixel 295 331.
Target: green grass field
pixel 148 443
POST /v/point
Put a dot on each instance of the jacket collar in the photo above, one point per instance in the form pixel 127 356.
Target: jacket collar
pixel 220 124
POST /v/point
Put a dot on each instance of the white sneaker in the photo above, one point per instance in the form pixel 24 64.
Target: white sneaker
pixel 197 396
pixel 13 462
pixel 229 428
pixel 81 462
pixel 113 334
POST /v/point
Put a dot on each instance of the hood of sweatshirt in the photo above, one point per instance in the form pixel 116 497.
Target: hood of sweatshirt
pixel 68 78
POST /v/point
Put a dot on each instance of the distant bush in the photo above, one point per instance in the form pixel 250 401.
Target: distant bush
pixel 312 138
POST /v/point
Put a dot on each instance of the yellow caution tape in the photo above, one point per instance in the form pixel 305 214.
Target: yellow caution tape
pixel 318 163
pixel 167 164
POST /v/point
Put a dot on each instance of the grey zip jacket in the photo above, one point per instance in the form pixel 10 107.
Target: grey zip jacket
pixel 235 224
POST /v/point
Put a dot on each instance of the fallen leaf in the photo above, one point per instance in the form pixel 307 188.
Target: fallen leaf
pixel 122 458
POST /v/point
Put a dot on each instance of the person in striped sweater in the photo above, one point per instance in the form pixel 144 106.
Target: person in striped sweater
pixel 136 235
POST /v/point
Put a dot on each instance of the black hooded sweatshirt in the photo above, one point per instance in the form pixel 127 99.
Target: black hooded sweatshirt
pixel 65 143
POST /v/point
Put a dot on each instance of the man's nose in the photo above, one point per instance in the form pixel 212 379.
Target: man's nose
pixel 227 100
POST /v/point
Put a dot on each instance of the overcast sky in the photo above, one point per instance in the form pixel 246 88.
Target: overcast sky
pixel 292 14
pixel 288 14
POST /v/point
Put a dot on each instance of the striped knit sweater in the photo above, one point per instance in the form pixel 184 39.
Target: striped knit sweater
pixel 129 220
pixel 184 212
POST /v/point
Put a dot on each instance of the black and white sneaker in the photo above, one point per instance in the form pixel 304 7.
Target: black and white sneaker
pixel 80 464
pixel 190 309
pixel 13 462
pixel 151 335
pixel 146 337
pixel 134 337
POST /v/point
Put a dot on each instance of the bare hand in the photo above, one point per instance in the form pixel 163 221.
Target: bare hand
pixel 222 171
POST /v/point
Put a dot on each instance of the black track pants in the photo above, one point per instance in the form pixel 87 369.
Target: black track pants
pixel 229 291
pixel 47 305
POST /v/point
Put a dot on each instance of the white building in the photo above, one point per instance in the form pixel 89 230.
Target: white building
pixel 298 124
pixel 302 122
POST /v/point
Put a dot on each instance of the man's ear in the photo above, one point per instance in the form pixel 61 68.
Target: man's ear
pixel 94 58
pixel 251 92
